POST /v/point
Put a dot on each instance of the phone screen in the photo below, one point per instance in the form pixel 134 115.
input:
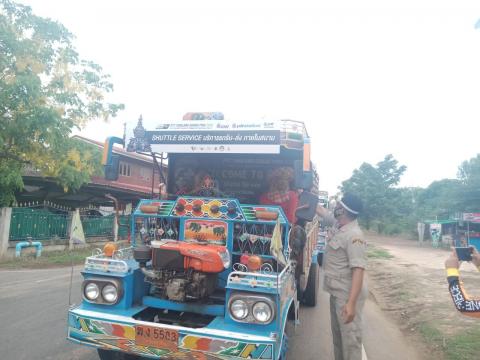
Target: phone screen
pixel 464 253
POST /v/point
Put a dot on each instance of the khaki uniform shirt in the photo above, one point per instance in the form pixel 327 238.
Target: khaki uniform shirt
pixel 346 249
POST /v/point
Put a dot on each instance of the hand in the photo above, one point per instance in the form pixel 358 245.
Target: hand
pixel 475 256
pixel 321 211
pixel 348 313
pixel 452 261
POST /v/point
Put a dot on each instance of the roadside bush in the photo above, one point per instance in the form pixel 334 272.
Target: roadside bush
pixel 398 226
pixel 392 229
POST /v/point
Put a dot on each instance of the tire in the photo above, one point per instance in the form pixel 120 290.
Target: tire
pixel 115 355
pixel 283 354
pixel 320 258
pixel 310 293
pixel 287 336
pixel 299 295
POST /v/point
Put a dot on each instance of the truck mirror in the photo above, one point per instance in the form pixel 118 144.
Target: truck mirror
pixel 111 171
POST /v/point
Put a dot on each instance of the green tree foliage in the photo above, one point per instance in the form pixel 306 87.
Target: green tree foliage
pixel 80 162
pixel 391 209
pixel 46 90
pixel 375 185
pixel 440 199
pixel 469 176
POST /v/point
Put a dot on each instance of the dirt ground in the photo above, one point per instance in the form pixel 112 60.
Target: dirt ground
pixel 411 287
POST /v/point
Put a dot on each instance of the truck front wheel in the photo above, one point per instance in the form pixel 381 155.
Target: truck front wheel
pixel 287 336
pixel 115 355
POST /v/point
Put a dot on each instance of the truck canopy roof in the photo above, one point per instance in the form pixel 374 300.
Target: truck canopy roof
pixel 220 136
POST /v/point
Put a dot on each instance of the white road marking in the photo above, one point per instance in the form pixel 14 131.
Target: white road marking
pixel 30 281
pixel 28 271
pixel 56 269
pixel 53 278
pixel 364 354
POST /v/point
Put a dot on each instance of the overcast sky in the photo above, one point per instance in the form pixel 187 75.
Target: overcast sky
pixel 368 78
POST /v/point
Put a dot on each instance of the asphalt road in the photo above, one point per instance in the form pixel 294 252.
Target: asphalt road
pixel 34 303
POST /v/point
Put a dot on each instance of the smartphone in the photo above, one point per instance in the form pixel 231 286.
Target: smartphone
pixel 464 253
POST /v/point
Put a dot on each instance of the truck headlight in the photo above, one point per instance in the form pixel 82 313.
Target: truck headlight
pixel 102 290
pixel 262 312
pixel 91 291
pixel 225 256
pixel 110 293
pixel 251 308
pixel 239 309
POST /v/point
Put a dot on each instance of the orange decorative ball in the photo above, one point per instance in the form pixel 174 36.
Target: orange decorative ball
pixel 244 259
pixel 109 249
pixel 254 263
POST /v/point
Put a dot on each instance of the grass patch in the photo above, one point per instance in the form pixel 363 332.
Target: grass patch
pixel 48 259
pixel 377 253
pixel 465 345
pixel 431 334
pixel 405 295
pixel 462 346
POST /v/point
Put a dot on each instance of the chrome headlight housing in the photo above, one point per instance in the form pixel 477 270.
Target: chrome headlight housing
pixel 110 293
pixel 262 312
pixel 102 291
pixel 239 309
pixel 91 291
pixel 251 308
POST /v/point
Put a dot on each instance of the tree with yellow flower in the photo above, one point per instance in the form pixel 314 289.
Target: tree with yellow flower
pixel 46 91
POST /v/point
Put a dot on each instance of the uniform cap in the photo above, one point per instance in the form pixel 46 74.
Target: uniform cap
pixel 351 203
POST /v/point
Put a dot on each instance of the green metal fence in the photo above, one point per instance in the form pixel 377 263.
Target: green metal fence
pixel 39 224
pixel 42 224
pixel 124 226
pixel 95 226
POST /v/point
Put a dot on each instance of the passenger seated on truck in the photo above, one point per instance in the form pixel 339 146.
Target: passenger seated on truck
pixel 279 192
pixel 206 186
pixel 184 181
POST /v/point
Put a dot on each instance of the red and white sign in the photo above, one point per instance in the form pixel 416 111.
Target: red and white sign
pixel 471 217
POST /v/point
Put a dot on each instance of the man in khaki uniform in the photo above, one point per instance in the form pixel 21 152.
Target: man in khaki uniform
pixel 344 266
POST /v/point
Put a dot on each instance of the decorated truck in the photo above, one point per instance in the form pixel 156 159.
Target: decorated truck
pixel 218 265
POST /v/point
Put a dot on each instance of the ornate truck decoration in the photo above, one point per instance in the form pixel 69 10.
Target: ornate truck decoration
pixel 211 273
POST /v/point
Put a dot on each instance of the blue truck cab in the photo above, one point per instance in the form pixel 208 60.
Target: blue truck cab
pixel 214 275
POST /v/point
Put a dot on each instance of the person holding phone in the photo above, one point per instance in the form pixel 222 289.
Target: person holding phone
pixel 465 304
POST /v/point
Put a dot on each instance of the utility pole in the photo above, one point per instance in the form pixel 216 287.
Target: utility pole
pixel 124 135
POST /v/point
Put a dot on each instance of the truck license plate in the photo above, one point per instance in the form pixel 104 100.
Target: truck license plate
pixel 156 337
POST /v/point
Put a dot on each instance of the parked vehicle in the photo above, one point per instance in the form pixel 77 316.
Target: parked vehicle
pixel 211 273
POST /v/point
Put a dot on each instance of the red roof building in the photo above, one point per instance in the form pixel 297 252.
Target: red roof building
pixel 138 178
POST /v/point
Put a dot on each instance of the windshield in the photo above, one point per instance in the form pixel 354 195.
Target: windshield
pixel 244 177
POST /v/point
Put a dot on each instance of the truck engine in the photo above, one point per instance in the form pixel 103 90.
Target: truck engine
pixel 182 271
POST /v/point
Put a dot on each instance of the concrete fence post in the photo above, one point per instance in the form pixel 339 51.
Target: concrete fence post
pixel 5 220
pixel 421 231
